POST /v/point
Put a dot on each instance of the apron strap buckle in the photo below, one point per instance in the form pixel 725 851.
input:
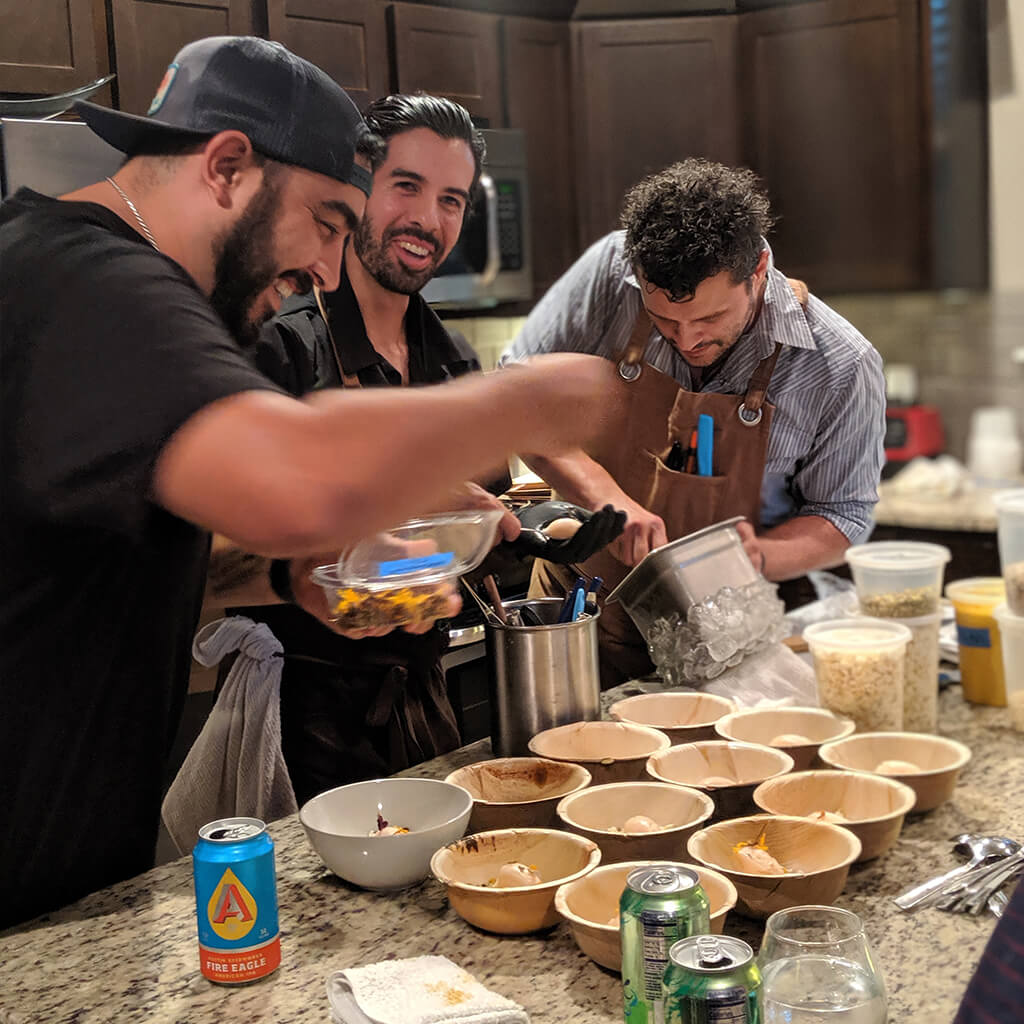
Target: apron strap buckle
pixel 630 372
pixel 749 417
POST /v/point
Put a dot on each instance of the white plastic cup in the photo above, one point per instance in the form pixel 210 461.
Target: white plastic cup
pixel 898 579
pixel 1011 638
pixel 993 447
pixel 860 666
pixel 1010 510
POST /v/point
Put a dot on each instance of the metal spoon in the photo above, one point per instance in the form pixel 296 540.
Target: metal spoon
pixel 964 892
pixel 980 848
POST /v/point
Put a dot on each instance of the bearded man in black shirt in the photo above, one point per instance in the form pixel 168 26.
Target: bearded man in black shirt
pixel 134 424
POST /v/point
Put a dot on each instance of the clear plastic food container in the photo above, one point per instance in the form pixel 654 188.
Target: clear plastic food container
pixel 977 636
pixel 921 673
pixel 1010 510
pixel 404 577
pixel 860 667
pixel 1011 641
pixel 898 579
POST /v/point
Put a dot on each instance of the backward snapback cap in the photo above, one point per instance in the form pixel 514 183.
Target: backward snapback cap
pixel 290 110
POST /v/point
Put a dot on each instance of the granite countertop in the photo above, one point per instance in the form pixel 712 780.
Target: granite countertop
pixel 128 953
pixel 972 512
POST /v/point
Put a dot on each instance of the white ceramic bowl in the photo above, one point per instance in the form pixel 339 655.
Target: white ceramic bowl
pixel 339 821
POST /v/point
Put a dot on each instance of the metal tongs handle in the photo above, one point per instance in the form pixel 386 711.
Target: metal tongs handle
pixel 912 897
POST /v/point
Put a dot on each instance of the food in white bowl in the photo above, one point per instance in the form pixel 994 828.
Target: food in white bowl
pixel 338 824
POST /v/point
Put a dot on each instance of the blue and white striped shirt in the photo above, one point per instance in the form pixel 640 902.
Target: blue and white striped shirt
pixel 825 448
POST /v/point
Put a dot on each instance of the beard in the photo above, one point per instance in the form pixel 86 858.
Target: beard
pixel 386 271
pixel 245 265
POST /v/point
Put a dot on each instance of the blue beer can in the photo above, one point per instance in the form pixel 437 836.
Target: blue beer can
pixel 236 901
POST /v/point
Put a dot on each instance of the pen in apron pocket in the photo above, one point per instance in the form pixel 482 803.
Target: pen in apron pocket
pixel 705 444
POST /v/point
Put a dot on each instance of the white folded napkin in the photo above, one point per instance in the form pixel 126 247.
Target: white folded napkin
pixel 418 990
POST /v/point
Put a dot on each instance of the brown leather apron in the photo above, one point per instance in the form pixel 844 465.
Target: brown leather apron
pixel 650 411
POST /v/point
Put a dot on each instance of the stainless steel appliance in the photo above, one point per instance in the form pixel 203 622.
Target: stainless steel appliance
pixel 53 157
pixel 491 261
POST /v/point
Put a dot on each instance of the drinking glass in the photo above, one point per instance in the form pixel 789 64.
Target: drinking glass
pixel 817 966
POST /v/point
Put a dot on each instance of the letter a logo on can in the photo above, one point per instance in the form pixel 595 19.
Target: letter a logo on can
pixel 232 910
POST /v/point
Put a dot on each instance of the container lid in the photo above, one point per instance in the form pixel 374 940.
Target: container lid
pixel 861 634
pixel 987 590
pixel 1009 501
pixel 897 555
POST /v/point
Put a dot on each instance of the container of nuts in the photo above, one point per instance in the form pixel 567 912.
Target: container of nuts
pixel 860 666
pixel 921 673
pixel 898 579
pixel 406 576
pixel 1010 510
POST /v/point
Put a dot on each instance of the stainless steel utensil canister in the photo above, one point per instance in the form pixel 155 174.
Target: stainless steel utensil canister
pixel 540 676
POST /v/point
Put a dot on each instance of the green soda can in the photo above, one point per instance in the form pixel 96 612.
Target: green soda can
pixel 661 904
pixel 712 979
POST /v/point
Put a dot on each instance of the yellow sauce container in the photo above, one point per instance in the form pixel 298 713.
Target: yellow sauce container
pixel 977 633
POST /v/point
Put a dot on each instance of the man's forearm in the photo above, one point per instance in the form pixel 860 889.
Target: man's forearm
pixel 577 478
pixel 800 545
pixel 236 578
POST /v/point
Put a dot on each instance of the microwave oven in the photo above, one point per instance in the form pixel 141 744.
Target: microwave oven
pixel 491 261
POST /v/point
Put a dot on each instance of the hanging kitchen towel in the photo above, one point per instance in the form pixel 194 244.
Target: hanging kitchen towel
pixel 235 767
pixel 418 990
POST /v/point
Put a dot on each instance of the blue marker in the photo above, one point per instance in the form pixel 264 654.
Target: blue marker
pixel 705 444
pixel 578 603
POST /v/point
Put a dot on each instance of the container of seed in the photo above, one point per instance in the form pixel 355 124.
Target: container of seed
pixel 898 579
pixel 921 673
pixel 1010 510
pixel 860 666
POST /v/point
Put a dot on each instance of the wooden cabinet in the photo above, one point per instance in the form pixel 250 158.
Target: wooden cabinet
pixel 449 53
pixel 649 93
pixel 835 123
pixel 347 38
pixel 148 33
pixel 537 79
pixel 52 46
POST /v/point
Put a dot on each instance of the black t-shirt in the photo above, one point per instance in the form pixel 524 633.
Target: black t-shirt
pixel 108 347
pixel 295 351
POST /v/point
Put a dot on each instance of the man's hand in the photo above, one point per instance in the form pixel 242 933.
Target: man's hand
pixel 751 544
pixel 584 533
pixel 310 597
pixel 644 531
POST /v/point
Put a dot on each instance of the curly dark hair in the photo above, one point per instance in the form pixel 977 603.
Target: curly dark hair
pixel 693 220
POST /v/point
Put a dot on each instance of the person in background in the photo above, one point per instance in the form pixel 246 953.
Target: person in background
pixel 134 425
pixel 687 299
pixel 356 707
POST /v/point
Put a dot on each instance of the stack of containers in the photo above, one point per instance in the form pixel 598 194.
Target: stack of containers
pixel 901 582
pixel 860 667
pixel 1010 616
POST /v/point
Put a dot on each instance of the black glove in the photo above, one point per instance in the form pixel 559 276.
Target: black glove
pixel 597 531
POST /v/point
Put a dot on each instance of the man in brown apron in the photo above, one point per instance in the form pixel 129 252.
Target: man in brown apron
pixel 690 306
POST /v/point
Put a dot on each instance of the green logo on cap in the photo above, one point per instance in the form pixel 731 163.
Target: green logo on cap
pixel 161 93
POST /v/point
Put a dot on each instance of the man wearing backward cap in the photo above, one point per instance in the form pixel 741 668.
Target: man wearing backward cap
pixel 133 425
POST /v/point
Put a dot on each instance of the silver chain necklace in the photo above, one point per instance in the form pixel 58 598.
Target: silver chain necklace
pixel 135 213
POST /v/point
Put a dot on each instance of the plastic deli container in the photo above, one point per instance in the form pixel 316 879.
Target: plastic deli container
pixel 1011 640
pixel 977 636
pixel 898 579
pixel 921 673
pixel 1010 510
pixel 860 665
pixel 405 577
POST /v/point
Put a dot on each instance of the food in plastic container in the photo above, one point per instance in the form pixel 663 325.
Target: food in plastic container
pixel 860 668
pixel 921 674
pixel 977 636
pixel 898 579
pixel 405 577
pixel 1011 642
pixel 1010 511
